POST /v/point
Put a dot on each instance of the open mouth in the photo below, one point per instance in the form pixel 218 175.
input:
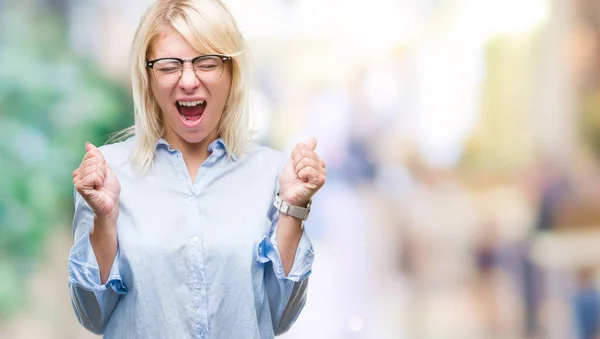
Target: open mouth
pixel 191 111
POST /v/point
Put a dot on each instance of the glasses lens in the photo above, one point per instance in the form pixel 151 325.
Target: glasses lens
pixel 167 71
pixel 209 68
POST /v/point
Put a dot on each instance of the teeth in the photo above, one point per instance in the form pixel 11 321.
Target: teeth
pixel 190 103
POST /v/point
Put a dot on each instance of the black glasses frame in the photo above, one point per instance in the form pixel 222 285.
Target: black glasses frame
pixel 150 64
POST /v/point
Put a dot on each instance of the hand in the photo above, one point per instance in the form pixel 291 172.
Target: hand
pixel 303 175
pixel 97 184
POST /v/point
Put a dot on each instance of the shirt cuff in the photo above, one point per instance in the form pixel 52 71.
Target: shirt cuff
pixel 268 250
pixel 84 271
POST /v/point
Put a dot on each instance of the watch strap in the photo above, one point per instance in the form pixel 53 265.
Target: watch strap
pixel 291 210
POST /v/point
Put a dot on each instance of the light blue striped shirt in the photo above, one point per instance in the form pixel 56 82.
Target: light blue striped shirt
pixel 195 260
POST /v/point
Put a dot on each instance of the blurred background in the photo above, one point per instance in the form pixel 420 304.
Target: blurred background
pixel 462 139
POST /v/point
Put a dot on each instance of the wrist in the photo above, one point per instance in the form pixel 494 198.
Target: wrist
pixel 298 203
pixel 107 218
pixel 101 231
pixel 294 201
pixel 298 209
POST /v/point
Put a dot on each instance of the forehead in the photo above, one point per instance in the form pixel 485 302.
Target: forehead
pixel 170 43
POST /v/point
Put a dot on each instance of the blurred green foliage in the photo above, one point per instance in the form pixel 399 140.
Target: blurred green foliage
pixel 51 102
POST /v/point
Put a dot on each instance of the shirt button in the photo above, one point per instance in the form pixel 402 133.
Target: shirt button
pixel 195 239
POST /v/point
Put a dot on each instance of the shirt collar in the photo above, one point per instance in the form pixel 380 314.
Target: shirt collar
pixel 216 147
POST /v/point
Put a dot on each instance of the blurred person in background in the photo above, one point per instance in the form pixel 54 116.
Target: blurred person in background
pixel 586 305
pixel 187 229
pixel 554 188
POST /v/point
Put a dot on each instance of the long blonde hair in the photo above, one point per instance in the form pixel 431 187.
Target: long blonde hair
pixel 208 26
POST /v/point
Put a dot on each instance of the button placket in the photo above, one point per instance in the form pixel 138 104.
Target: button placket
pixel 195 243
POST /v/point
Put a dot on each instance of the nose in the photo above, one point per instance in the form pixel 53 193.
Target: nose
pixel 189 81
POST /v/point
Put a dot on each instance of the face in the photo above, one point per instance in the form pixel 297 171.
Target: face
pixel 191 109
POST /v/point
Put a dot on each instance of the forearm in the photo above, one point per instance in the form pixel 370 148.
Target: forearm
pixel 103 238
pixel 289 232
pixel 292 255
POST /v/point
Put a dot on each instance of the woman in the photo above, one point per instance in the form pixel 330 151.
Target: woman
pixel 186 229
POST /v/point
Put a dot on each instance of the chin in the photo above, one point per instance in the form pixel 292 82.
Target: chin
pixel 192 131
pixel 194 138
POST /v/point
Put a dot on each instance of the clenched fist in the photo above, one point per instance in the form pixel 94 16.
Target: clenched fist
pixel 303 175
pixel 97 184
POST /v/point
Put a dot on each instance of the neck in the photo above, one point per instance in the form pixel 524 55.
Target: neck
pixel 194 154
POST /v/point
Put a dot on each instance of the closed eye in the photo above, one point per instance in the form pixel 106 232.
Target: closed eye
pixel 169 69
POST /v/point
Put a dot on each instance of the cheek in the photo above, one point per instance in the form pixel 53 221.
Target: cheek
pixel 224 87
pixel 221 93
pixel 161 95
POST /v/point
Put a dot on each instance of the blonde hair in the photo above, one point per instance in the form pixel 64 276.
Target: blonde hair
pixel 208 26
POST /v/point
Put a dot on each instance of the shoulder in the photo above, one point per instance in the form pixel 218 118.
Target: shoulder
pixel 118 153
pixel 256 153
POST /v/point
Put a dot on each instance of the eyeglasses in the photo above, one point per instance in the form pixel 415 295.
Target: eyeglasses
pixel 208 68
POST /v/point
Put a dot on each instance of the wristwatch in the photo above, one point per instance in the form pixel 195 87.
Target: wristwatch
pixel 294 211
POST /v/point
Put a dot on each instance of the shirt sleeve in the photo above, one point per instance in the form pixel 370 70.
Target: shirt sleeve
pixel 92 301
pixel 286 294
